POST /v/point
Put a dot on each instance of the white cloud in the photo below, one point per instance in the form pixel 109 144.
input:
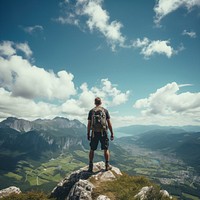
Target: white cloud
pixel 6 48
pixel 23 79
pixel 25 108
pixel 149 48
pixel 97 19
pixel 191 34
pixel 33 29
pixel 166 101
pixel 73 107
pixel 111 95
pixel 31 92
pixel 163 7
pixel 25 49
pixel 9 48
pixel 70 19
pixel 86 97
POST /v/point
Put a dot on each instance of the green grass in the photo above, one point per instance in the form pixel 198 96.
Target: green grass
pixel 190 196
pixel 125 188
pixel 27 196
pixel 13 175
pixel 26 172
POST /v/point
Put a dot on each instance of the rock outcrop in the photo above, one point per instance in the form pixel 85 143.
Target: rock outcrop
pixel 81 184
pixel 8 191
pixel 78 185
pixel 145 191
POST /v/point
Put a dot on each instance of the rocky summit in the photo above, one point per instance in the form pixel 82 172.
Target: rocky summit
pixel 79 184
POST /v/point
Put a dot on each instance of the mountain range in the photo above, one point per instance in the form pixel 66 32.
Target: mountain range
pixel 40 153
pixel 22 125
pixel 138 129
pixel 21 139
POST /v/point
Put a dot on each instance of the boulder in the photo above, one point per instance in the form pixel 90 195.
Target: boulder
pixel 145 191
pixel 8 191
pixel 102 197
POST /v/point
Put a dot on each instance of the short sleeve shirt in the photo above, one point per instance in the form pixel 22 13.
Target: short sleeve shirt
pixel 106 112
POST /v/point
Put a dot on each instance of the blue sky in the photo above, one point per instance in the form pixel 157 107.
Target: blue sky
pixel 141 57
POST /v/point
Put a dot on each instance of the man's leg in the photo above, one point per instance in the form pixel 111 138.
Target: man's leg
pixel 106 155
pixel 104 146
pixel 93 146
pixel 91 156
pixel 107 159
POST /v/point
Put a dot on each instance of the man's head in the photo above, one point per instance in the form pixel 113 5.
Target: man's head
pixel 97 101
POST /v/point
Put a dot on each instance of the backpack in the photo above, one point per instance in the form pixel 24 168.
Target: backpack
pixel 99 122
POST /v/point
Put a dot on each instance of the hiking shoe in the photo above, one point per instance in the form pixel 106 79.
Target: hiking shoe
pixel 108 167
pixel 90 168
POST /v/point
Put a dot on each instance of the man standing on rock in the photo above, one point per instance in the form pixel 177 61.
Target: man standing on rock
pixel 98 123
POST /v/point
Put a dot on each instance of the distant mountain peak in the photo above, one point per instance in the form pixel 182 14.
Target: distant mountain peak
pixel 61 118
pixel 22 125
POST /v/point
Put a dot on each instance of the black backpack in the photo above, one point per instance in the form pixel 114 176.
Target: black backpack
pixel 99 122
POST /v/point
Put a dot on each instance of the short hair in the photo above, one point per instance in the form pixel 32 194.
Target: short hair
pixel 97 101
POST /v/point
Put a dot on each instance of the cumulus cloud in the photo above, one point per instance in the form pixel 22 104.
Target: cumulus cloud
pixel 72 108
pixel 163 7
pixel 25 108
pixel 149 48
pixel 23 79
pixel 6 48
pixel 9 48
pixel 191 34
pixel 108 92
pixel 97 19
pixel 111 95
pixel 24 48
pixel 168 101
pixel 31 92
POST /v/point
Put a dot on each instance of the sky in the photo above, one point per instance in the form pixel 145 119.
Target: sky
pixel 141 57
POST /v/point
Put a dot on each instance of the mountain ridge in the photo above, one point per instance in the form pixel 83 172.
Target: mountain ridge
pixel 23 125
pixel 138 129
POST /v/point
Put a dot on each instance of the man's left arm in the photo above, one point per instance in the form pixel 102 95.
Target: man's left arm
pixel 111 129
pixel 109 125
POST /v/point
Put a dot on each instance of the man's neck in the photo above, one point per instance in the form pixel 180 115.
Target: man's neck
pixel 97 106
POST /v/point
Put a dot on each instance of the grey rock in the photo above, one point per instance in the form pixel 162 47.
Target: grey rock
pixel 102 197
pixel 82 190
pixel 164 193
pixel 143 193
pixel 8 191
pixel 77 185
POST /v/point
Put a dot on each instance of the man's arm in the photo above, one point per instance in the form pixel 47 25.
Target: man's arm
pixel 110 128
pixel 88 129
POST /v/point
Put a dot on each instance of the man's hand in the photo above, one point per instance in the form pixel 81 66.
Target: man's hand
pixel 88 137
pixel 112 137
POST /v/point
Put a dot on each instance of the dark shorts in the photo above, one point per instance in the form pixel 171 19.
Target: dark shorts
pixel 102 137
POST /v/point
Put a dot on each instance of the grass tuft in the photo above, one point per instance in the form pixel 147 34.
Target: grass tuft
pixel 33 195
pixel 126 187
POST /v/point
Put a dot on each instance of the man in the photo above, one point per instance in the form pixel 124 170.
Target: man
pixel 97 131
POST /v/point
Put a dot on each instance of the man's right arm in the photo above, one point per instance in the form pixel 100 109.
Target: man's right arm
pixel 88 129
